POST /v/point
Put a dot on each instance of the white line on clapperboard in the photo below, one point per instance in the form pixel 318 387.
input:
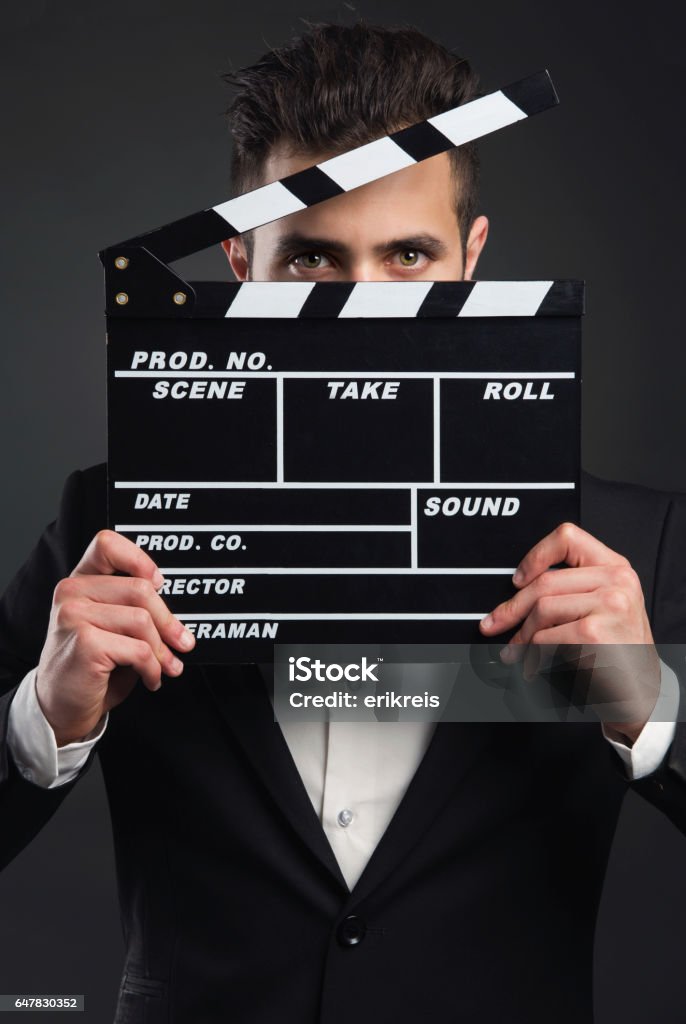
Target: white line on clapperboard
pixel 234 570
pixel 437 429
pixel 279 430
pixel 364 485
pixel 331 616
pixel 264 528
pixel 351 374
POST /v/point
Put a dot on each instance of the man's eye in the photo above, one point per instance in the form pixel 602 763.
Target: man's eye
pixel 410 258
pixel 310 260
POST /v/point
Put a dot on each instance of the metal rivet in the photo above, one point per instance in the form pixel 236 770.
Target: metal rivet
pixel 121 262
pixel 121 298
pixel 180 298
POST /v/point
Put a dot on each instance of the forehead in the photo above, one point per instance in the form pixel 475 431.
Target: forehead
pixel 414 200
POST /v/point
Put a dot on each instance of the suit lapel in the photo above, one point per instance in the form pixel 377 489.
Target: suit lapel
pixel 453 748
pixel 244 704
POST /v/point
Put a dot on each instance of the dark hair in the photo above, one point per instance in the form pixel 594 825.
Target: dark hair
pixel 336 87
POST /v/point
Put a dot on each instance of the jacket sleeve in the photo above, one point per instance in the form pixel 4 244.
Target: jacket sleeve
pixel 24 615
pixel 666 787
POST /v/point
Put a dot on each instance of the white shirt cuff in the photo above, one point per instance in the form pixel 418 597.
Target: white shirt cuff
pixel 653 742
pixel 33 745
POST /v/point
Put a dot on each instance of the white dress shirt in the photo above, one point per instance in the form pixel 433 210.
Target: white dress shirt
pixel 355 773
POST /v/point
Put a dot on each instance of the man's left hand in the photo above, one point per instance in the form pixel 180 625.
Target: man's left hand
pixel 597 601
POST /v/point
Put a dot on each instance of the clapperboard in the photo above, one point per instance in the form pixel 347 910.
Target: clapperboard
pixel 338 462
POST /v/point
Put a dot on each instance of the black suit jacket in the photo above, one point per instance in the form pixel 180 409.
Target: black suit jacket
pixel 478 904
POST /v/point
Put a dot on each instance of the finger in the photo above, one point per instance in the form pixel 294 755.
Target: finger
pixel 109 552
pixel 127 590
pixel 566 633
pixel 103 651
pixel 508 613
pixel 567 543
pixel 548 612
pixel 122 619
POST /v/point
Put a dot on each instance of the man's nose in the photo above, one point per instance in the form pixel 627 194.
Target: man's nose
pixel 365 270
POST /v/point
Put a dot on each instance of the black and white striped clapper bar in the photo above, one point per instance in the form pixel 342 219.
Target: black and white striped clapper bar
pixel 338 463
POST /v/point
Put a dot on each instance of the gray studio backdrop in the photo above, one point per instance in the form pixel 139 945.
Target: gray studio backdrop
pixel 112 124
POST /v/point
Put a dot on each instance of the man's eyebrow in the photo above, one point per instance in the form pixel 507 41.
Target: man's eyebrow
pixel 296 242
pixel 428 243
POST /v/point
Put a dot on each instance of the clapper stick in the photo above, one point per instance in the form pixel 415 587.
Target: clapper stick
pixel 347 171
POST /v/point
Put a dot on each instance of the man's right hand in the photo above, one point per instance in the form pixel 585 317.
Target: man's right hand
pixel 105 630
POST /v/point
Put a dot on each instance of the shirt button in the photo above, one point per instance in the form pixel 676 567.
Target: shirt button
pixel 345 817
pixel 351 931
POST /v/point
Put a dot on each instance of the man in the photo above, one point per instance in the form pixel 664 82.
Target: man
pixel 383 871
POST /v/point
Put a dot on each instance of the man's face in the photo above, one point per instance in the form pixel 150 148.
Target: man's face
pixel 399 228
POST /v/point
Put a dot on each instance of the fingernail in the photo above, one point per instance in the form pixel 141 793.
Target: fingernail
pixel 176 666
pixel 506 654
pixel 186 639
pixel 517 577
pixel 487 622
pixel 157 580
